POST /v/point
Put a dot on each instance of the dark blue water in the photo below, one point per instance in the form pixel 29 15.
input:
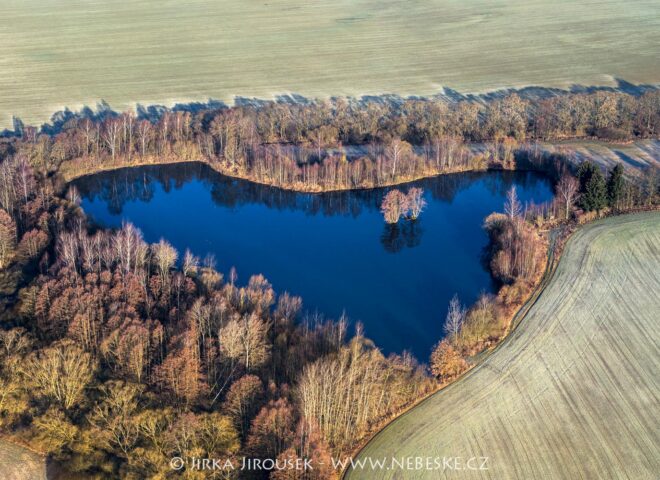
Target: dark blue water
pixel 334 250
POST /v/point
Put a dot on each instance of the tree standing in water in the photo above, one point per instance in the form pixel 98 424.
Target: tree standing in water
pixel 416 202
pixel 394 206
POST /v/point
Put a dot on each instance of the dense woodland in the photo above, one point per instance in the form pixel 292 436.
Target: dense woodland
pixel 117 355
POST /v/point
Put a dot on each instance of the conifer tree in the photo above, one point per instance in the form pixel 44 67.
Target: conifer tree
pixel 615 183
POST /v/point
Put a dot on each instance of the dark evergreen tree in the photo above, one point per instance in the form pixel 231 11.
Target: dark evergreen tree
pixel 595 193
pixel 593 188
pixel 584 173
pixel 615 185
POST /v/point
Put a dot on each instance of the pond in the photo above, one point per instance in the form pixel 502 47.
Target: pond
pixel 332 249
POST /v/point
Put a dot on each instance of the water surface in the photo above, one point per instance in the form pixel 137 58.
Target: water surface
pixel 334 250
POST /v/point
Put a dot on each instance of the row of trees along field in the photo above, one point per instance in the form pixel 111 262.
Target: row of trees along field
pixel 116 355
pixel 341 143
pixel 518 257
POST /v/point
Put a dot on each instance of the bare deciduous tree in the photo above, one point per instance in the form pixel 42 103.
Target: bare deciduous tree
pixel 165 256
pixel 112 418
pixel 446 362
pixel 394 206
pixel 245 340
pixel 129 248
pixel 110 135
pixel 7 238
pixel 342 394
pixel 455 317
pixel 144 132
pixel 416 202
pixel 190 263
pixel 396 151
pixel 14 341
pixel 567 191
pixel 61 371
pixel 512 206
pixel 243 400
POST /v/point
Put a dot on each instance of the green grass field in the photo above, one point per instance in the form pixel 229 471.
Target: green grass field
pixel 574 391
pixel 58 53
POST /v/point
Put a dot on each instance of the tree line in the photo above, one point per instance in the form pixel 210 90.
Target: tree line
pixel 517 256
pixel 517 260
pixel 342 143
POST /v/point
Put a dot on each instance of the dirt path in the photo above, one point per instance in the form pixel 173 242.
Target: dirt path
pixel 572 393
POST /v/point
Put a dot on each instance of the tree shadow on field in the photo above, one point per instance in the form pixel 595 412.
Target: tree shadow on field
pixel 103 110
pixel 628 160
pixel 154 112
